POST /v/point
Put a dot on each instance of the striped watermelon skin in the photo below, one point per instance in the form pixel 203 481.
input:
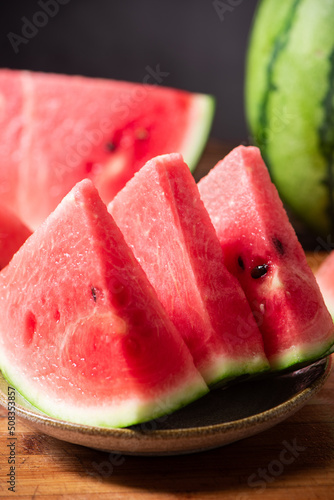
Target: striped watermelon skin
pixel 290 103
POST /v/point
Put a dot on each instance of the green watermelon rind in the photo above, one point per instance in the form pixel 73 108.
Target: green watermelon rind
pixel 110 417
pixel 297 357
pixel 196 136
pixel 234 368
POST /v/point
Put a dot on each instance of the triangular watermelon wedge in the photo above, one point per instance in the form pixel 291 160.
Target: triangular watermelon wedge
pixel 82 334
pixel 58 129
pixel 165 223
pixel 261 249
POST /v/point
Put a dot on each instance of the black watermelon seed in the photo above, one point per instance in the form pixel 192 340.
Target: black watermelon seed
pixel 93 290
pixel 110 146
pixel 259 271
pixel 279 246
pixel 241 263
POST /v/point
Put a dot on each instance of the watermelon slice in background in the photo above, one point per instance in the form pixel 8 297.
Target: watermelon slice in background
pixel 13 234
pixel 261 249
pixel 164 221
pixel 83 336
pixel 11 129
pixel 58 129
pixel 325 278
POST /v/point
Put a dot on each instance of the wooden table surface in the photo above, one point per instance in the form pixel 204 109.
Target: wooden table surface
pixel 52 469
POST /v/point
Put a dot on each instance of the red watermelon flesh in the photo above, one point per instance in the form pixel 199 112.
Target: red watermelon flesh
pixel 261 249
pixel 11 136
pixel 59 129
pixel 165 223
pixel 13 234
pixel 83 336
pixel 325 279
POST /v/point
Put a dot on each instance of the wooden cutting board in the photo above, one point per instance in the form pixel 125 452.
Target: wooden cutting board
pixel 256 467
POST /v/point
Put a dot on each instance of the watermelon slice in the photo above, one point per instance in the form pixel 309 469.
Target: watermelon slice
pixel 83 336
pixel 325 278
pixel 165 223
pixel 261 249
pixel 58 129
pixel 13 234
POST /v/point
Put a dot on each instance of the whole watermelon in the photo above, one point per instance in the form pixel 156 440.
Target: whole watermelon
pixel 290 103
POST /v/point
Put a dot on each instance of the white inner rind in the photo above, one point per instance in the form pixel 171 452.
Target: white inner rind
pixel 200 118
pixel 221 367
pixel 131 411
pixel 299 354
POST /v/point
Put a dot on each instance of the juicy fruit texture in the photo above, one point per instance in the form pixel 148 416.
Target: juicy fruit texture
pixel 79 323
pixel 13 234
pixel 290 105
pixel 325 279
pixel 58 129
pixel 261 249
pixel 164 221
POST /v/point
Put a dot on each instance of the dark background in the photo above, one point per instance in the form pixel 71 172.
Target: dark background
pixel 201 44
